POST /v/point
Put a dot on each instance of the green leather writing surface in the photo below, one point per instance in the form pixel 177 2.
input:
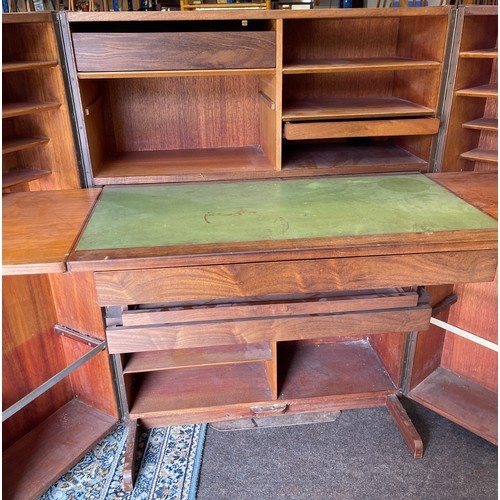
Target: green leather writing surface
pixel 146 216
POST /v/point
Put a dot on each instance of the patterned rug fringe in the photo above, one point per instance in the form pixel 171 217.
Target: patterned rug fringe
pixel 168 461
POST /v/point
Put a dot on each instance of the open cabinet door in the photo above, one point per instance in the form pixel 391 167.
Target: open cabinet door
pixel 450 374
pixel 58 397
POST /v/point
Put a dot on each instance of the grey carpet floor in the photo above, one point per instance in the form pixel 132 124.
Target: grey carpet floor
pixel 359 456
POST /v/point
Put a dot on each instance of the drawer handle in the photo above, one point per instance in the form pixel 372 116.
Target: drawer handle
pixel 269 410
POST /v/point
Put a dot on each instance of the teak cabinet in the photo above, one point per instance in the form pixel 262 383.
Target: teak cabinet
pixel 207 139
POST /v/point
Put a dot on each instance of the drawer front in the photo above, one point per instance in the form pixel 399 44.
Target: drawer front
pixel 236 281
pixel 174 51
pixel 361 128
pixel 190 335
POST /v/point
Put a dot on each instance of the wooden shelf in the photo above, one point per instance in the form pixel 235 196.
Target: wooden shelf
pixel 20 143
pixel 480 154
pixel 488 90
pixel 106 75
pixel 34 462
pixel 357 64
pixel 183 358
pixel 460 400
pixel 187 164
pixel 487 124
pixel 356 107
pixel 340 368
pixel 21 175
pixel 480 54
pixel 350 158
pixel 27 65
pixel 200 387
pixel 11 109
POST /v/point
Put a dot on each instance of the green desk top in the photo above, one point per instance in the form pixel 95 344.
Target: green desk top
pixel 150 216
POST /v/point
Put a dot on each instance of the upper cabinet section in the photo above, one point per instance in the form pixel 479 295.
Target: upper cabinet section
pixel 238 95
pixel 471 135
pixel 37 141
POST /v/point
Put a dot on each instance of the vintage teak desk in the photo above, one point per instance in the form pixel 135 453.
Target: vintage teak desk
pixel 225 266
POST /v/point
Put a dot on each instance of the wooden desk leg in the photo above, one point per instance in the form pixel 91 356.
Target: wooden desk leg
pixel 130 454
pixel 405 426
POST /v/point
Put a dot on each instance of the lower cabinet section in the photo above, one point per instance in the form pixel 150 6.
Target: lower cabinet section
pixel 255 380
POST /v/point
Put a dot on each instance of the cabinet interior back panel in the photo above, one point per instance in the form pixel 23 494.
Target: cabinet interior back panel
pixel 179 113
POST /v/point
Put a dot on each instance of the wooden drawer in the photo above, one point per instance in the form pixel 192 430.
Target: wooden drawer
pixel 174 51
pixel 267 279
pixel 174 327
pixel 361 128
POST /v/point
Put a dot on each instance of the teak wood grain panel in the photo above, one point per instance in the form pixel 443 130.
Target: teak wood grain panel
pixel 307 276
pixel 187 335
pixel 174 51
pixel 31 353
pixel 362 128
pixel 216 112
pixel 39 229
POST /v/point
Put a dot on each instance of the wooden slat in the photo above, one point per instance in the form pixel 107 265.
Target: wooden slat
pixel 106 75
pixel 34 462
pixel 361 128
pixel 21 175
pixel 26 17
pixel 123 340
pixel 27 65
pixel 174 50
pixel 481 54
pixel 480 154
pixel 184 358
pixel 11 109
pixel 488 90
pixel 39 228
pixel 488 124
pixel 200 387
pixel 405 426
pixel 460 400
pixel 356 107
pixel 20 143
pixel 273 309
pixel 357 64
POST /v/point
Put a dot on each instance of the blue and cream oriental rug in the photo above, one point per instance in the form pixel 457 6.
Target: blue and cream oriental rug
pixel 169 460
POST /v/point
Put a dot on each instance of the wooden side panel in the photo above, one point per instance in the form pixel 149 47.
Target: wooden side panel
pixel 477 312
pixel 390 350
pixel 76 307
pixel 32 353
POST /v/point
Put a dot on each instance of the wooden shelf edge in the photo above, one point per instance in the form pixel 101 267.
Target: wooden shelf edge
pixel 345 65
pixel 11 110
pixel 19 144
pixel 24 66
pixel 487 91
pixel 26 17
pixel 50 449
pixel 174 73
pixel 480 54
pixel 197 357
pixel 21 176
pixel 460 400
pixel 479 154
pixel 487 124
